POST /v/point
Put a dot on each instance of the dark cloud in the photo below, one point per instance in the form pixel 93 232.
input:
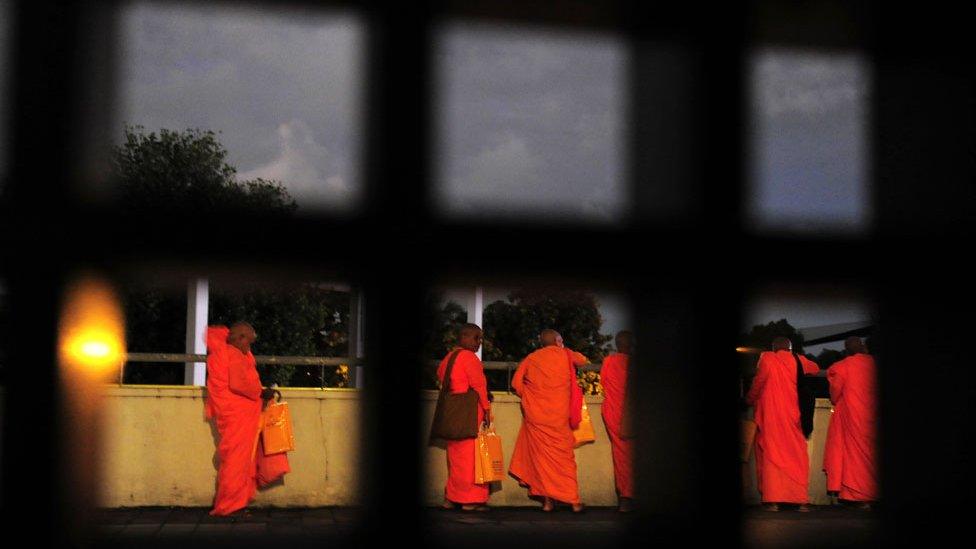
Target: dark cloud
pixel 809 144
pixel 282 87
pixel 531 123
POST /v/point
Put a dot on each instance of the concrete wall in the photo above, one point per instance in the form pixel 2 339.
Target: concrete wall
pixel 594 467
pixel 160 450
pixel 815 449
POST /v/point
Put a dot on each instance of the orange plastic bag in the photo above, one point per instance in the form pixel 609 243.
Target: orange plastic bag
pixel 276 429
pixel 584 433
pixel 489 461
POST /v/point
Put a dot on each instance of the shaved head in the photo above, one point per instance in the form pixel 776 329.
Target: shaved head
pixel 467 329
pixel 782 344
pixel 855 345
pixel 625 341
pixel 549 337
pixel 242 335
pixel 469 337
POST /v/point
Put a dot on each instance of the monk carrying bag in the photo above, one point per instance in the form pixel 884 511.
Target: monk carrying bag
pixel 805 398
pixel 456 416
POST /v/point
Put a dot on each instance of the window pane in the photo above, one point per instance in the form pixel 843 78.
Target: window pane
pixel 530 125
pixel 809 131
pixel 280 88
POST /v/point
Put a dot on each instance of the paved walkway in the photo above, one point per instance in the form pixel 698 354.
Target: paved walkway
pixel 597 527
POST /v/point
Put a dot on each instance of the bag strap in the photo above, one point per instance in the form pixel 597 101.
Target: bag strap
pixel 446 384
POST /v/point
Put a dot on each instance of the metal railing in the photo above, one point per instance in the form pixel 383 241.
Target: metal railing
pixel 320 361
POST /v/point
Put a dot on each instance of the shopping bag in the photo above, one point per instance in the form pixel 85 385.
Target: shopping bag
pixel 489 464
pixel 277 434
pixel 584 433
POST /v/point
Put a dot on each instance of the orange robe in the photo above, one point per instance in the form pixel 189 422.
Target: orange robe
pixel 468 372
pixel 234 402
pixel 613 377
pixel 782 463
pixel 543 459
pixel 849 457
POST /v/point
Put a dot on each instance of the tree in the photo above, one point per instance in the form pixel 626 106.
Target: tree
pixel 442 322
pixel 185 173
pixel 512 327
pixel 761 336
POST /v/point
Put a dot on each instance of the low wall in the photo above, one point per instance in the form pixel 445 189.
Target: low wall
pixel 159 450
pixel 815 449
pixel 594 466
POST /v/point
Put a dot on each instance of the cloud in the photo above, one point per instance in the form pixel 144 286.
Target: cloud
pixel 281 87
pixel 304 166
pixel 811 84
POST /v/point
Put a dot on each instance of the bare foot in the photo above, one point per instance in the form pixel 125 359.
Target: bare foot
pixel 771 507
pixel 474 508
pixel 803 508
pixel 447 505
pixel 547 505
pixel 577 507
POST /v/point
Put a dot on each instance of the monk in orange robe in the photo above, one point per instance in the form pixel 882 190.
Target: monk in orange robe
pixel 849 455
pixel 467 372
pixel 782 463
pixel 613 378
pixel 234 401
pixel 543 459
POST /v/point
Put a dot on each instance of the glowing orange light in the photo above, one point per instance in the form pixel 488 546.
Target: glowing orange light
pixel 92 334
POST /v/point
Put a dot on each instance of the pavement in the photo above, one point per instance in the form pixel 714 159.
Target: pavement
pixel 335 526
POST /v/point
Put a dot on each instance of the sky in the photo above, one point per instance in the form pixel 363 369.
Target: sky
pixel 806 313
pixel 530 124
pixel 613 307
pixel 283 88
pixel 809 128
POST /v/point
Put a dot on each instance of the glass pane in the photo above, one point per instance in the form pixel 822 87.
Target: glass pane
pixel 831 333
pixel 809 143
pixel 280 89
pixel 530 125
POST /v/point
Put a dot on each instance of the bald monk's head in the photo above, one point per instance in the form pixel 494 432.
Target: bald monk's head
pixel 782 344
pixel 242 335
pixel 470 337
pixel 550 337
pixel 855 345
pixel 625 342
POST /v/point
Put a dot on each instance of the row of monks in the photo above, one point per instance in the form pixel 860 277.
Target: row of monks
pixel 782 461
pixel 543 460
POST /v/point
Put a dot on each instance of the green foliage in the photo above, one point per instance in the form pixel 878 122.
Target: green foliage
pixel 828 357
pixel 513 326
pixel 291 320
pixel 761 336
pixel 185 173
pixel 442 321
